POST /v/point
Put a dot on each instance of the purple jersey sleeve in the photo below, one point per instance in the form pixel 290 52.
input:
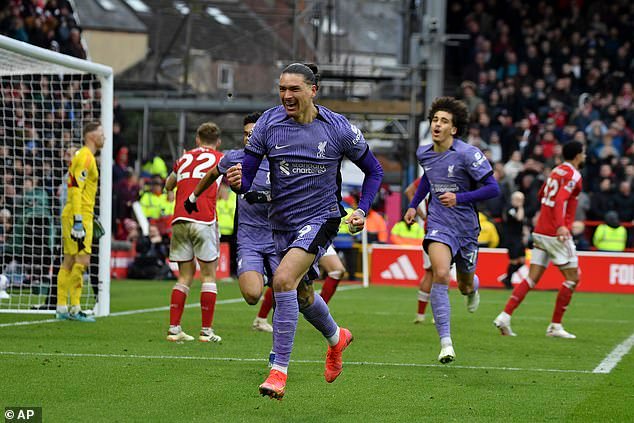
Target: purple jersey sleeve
pixel 421 192
pixel 352 143
pixel 372 181
pixel 230 158
pixel 476 164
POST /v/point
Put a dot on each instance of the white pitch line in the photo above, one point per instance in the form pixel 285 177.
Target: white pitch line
pixel 612 359
pixel 239 359
pixel 149 310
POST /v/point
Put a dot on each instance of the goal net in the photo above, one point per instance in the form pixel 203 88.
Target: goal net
pixel 45 100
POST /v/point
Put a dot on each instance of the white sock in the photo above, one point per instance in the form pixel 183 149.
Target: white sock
pixel 62 309
pixel 445 342
pixel 75 309
pixel 280 368
pixel 334 339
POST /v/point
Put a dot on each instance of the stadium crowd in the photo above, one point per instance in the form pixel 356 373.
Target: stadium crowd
pixel 49 24
pixel 537 75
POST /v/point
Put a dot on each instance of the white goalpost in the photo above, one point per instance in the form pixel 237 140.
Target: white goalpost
pixel 46 98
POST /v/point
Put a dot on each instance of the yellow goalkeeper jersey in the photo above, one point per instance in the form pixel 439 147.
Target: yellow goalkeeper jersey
pixel 83 178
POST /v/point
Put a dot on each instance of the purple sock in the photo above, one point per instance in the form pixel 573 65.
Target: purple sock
pixel 284 325
pixel 441 309
pixel 319 316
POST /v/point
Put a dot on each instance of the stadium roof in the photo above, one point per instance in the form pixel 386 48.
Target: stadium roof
pixel 109 15
pixel 227 30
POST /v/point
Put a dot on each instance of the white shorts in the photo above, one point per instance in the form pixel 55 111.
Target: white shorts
pixel 426 260
pixel 427 266
pixel 330 251
pixel 192 239
pixel 547 248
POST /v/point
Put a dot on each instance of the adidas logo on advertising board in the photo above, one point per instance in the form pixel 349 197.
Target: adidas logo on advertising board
pixel 401 269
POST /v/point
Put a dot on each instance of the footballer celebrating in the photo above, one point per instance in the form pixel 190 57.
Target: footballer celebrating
pixel 452 168
pixel 304 144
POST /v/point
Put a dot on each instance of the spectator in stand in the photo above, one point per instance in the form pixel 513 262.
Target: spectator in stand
pixel 405 234
pixel 126 192
pixel 154 165
pixel 603 200
pixel 120 166
pixel 624 202
pixel 578 232
pixel 469 95
pixel 583 206
pixel 514 166
pixel 154 201
pixel 73 46
pixel 376 227
pixel 610 235
pixel 150 261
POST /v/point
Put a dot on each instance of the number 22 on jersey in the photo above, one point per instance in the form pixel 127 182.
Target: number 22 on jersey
pixel 201 164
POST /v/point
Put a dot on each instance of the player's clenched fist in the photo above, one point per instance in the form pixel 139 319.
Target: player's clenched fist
pixel 356 221
pixel 410 216
pixel 234 176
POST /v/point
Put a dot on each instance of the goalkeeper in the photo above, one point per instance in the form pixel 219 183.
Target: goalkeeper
pixel 77 224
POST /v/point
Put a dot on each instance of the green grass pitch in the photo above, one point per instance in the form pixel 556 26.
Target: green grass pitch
pixel 121 369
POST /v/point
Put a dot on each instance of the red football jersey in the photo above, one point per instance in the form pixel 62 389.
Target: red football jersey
pixel 189 170
pixel 559 197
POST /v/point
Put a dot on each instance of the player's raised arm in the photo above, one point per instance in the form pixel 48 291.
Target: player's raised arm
pixel 207 180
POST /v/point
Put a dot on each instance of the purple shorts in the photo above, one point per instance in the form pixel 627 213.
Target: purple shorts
pixel 256 251
pixel 314 237
pixel 464 249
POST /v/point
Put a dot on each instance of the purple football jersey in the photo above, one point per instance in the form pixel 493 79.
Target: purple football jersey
pixel 305 162
pixel 250 214
pixel 458 169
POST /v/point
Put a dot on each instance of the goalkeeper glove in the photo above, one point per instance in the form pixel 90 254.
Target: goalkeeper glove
pixel 78 233
pixel 258 197
pixel 190 204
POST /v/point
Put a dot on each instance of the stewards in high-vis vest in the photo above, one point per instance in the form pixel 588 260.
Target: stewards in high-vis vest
pixel 610 236
pixel 154 203
pixel 226 210
pixel 404 234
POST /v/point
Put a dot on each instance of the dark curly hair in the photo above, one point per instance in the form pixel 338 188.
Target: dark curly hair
pixel 457 109
pixel 571 150
pixel 251 118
